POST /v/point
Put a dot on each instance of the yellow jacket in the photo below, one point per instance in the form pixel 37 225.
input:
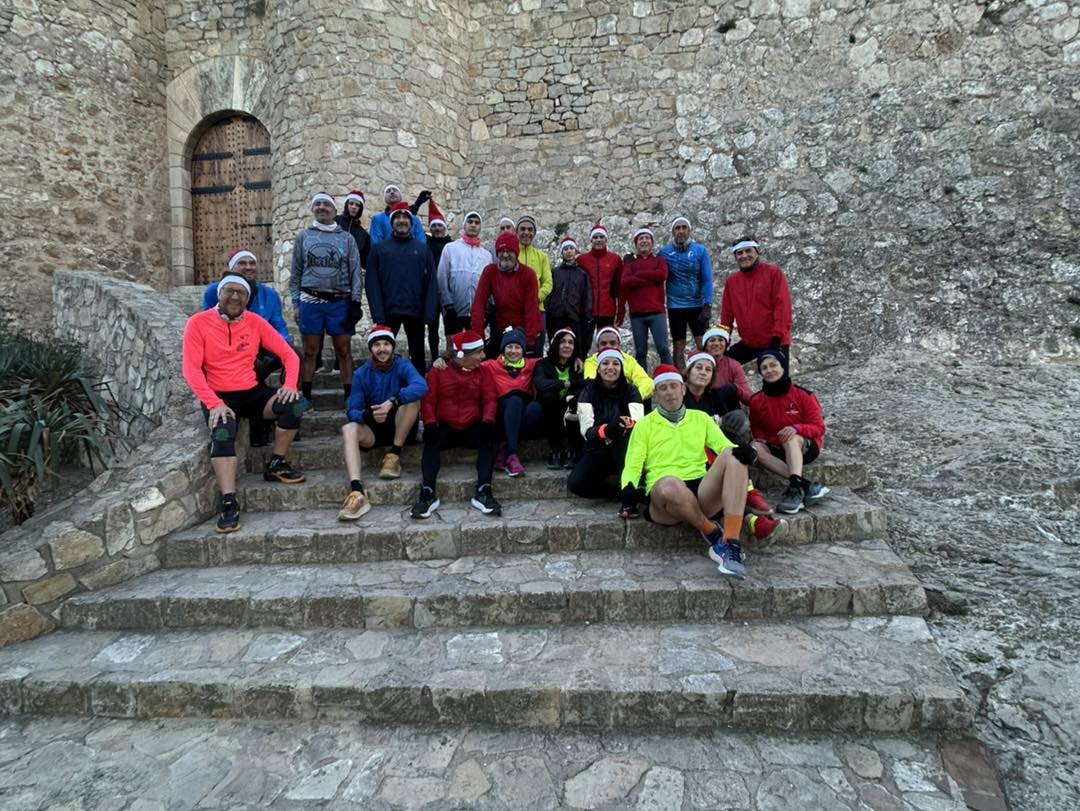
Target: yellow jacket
pixel 660 447
pixel 637 376
pixel 538 261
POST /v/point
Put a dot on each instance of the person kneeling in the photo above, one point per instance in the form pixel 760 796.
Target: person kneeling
pixel 667 446
pixel 219 351
pixel 608 409
pixel 383 408
pixel 788 430
pixel 458 410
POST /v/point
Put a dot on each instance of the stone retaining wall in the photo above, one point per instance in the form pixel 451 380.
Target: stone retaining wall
pixel 110 531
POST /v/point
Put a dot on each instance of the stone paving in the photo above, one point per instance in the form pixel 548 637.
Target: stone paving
pixel 608 586
pixel 181 764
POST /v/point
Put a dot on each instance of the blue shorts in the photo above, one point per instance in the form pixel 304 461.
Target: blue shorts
pixel 331 317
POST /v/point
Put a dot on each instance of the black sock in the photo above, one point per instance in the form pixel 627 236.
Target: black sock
pixel 228 496
pixel 276 458
pixel 395 449
pixel 305 389
pixel 348 389
pixel 356 486
pixel 796 481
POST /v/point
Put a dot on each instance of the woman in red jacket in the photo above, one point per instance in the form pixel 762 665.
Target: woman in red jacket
pixel 788 431
pixel 641 291
pixel 509 378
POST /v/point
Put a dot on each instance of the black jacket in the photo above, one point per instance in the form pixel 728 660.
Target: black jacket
pixel 401 281
pixel 571 295
pixel 549 389
pixel 607 404
pixel 359 233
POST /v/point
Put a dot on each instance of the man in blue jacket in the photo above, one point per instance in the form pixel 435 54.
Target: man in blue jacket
pixel 689 287
pixel 382 410
pixel 402 286
pixel 380 223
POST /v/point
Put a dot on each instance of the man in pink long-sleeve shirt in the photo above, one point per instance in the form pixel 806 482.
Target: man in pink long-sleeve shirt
pixel 219 350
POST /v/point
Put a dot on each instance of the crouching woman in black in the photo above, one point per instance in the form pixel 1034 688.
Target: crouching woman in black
pixel 558 381
pixel 607 410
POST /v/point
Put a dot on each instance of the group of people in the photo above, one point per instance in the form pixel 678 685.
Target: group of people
pixel 675 446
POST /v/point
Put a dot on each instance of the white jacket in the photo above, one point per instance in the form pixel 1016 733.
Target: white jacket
pixel 459 274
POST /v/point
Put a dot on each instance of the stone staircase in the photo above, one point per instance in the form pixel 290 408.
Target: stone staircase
pixel 554 614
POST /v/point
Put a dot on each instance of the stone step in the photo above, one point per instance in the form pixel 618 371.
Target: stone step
pixel 324 453
pixel 545 589
pixel 456 530
pixel 848 674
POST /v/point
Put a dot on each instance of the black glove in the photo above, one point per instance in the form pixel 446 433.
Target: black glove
pixel 745 454
pixel 422 198
pixel 774 343
pixel 614 430
pixel 356 312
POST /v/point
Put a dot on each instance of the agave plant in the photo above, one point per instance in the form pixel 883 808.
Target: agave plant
pixel 50 413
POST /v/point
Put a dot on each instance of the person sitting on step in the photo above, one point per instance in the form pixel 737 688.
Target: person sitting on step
pixel 700 397
pixel 728 375
pixel 383 410
pixel 458 409
pixel 510 379
pixel 219 351
pixel 611 338
pixel 666 447
pixel 558 380
pixel 788 430
pixel 608 409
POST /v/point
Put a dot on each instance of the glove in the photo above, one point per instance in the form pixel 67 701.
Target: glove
pixel 356 312
pixel 612 431
pixel 745 454
pixel 422 198
pixel 774 343
pixel 703 318
pixel 629 498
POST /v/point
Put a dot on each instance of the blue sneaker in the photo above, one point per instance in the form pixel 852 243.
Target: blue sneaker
pixel 728 558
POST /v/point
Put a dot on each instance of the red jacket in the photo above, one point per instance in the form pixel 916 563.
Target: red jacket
pixel 219 355
pixel 641 287
pixel 602 269
pixel 798 408
pixel 456 398
pixel 499 381
pixel 759 302
pixel 729 370
pixel 517 301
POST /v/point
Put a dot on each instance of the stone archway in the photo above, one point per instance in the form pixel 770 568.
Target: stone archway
pixel 195 100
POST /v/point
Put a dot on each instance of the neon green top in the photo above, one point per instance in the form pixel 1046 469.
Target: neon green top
pixel 663 448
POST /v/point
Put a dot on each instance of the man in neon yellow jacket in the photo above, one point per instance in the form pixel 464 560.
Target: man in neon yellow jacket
pixel 666 446
pixel 609 338
pixel 531 256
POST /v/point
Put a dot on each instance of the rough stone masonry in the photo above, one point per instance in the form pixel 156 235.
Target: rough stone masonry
pixel 912 165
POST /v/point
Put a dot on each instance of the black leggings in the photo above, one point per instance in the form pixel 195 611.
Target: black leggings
pixel 560 435
pixel 414 333
pixel 591 477
pixel 438 438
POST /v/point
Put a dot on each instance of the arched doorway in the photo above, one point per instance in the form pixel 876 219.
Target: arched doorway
pixel 231 196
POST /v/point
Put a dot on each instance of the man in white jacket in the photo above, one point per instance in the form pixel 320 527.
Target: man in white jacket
pixel 460 266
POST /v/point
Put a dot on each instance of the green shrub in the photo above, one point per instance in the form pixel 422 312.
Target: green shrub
pixel 50 414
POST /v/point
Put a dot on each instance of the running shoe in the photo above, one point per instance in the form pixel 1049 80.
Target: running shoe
pixel 792 500
pixel 279 470
pixel 514 468
pixel 554 460
pixel 356 504
pixel 756 503
pixel 766 531
pixel 229 519
pixel 391 467
pixel 484 501
pixel 814 492
pixel 727 555
pixel 426 504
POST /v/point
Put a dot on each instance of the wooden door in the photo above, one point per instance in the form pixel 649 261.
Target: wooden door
pixel 231 196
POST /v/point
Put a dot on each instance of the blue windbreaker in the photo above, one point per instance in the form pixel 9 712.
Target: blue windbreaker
pixel 371 387
pixel 689 281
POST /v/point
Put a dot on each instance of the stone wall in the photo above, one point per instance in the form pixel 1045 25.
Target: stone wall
pixel 82 124
pixel 110 531
pixel 912 166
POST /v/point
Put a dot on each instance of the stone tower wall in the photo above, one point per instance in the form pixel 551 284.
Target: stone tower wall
pixel 82 129
pixel 912 166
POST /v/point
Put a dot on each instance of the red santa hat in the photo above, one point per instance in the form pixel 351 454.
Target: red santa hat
pixel 609 330
pixel 568 241
pixel 716 332
pixel 598 230
pixel 467 341
pixel 507 241
pixel 643 231
pixel 664 373
pixel 355 196
pixel 399 208
pixel 238 254
pixel 380 332
pixel 433 214
pixel 690 361
pixel 389 186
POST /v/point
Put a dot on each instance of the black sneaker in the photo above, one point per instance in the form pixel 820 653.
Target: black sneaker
pixel 229 520
pixel 792 500
pixel 279 470
pixel 814 492
pixel 554 461
pixel 568 460
pixel 426 504
pixel 484 501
